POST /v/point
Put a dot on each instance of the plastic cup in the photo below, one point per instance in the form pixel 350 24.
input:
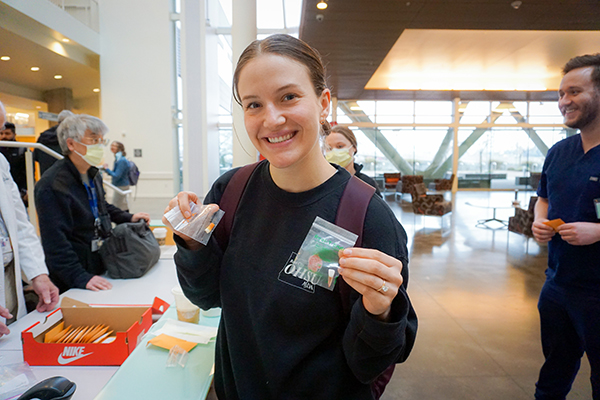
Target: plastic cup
pixel 161 235
pixel 186 311
pixel 213 312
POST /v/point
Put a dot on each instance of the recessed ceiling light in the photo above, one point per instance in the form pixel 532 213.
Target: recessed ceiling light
pixel 96 90
pixel 35 69
pixel 66 40
pixel 5 58
pixel 322 5
pixel 57 76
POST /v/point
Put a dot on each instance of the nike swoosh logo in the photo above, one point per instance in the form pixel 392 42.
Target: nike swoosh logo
pixel 66 360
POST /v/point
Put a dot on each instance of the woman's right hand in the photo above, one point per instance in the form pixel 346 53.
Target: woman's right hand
pixel 182 200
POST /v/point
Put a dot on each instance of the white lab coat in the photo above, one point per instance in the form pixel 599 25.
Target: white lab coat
pixel 27 248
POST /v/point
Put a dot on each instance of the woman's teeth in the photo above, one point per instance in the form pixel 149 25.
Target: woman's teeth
pixel 280 138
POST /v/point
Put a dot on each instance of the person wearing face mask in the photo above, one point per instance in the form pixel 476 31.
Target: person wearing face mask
pixel 73 214
pixel 341 146
pixel 120 174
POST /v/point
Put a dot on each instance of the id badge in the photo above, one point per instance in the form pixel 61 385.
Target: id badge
pixel 597 206
pixel 96 244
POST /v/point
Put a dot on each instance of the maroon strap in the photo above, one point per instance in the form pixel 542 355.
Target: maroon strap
pixel 351 214
pixel 230 199
pixel 352 209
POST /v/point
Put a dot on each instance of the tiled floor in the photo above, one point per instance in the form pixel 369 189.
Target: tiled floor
pixel 475 292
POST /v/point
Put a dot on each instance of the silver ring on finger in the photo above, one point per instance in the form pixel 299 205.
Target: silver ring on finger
pixel 384 288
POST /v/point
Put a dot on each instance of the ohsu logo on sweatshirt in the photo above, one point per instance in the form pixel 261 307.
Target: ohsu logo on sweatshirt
pixel 72 353
pixel 297 277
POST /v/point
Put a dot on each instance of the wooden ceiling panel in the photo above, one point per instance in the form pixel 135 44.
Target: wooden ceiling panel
pixel 355 36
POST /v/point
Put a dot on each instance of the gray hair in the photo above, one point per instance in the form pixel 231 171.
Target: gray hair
pixel 74 127
pixel 63 115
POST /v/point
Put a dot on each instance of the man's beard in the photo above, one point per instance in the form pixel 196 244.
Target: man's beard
pixel 589 113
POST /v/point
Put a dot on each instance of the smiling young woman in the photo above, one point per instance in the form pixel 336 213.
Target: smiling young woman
pixel 278 338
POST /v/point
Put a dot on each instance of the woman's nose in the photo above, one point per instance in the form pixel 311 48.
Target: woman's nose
pixel 273 117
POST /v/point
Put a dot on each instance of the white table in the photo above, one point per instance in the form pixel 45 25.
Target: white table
pixel 158 282
pixel 484 223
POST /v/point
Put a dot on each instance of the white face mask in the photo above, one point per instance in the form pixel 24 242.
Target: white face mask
pixel 94 153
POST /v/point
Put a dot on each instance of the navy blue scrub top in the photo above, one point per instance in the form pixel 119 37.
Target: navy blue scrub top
pixel 571 181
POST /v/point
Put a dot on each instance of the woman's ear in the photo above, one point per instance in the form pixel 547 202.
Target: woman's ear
pixel 325 101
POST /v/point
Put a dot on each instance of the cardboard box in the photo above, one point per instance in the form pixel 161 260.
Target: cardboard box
pixel 129 323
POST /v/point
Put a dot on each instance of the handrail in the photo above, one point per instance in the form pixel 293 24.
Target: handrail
pixel 29 172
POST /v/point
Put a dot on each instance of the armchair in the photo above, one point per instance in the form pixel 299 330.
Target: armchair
pixel 428 204
pixel 408 181
pixel 444 183
pixel 390 180
pixel 523 219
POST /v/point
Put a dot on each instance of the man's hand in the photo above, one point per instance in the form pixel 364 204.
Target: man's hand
pixel 5 314
pixel 141 215
pixel 98 283
pixel 580 233
pixel 46 291
pixel 542 232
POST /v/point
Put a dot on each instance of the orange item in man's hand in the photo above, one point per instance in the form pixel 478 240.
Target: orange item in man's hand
pixel 555 223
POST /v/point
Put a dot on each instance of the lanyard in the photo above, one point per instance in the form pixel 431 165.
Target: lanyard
pixel 92 198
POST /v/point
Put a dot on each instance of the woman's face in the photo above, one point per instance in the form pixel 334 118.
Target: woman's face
pixel 282 113
pixel 336 140
pixel 114 148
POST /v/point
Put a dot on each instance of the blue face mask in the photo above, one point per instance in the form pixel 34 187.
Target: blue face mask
pixel 118 155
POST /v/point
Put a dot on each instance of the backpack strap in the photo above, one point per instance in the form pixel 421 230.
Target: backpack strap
pixel 351 214
pixel 352 209
pixel 230 199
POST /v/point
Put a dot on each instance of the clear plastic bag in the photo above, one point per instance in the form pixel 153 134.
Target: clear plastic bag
pixel 319 253
pixel 15 379
pixel 200 225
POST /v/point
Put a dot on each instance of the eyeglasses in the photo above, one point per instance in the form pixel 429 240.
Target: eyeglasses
pixel 99 140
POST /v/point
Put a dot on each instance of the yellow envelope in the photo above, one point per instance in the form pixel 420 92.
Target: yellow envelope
pixel 167 342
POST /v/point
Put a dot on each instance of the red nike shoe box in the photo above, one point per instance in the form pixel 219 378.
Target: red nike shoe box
pixel 129 323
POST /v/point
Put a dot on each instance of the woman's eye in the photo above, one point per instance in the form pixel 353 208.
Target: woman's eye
pixel 288 97
pixel 252 105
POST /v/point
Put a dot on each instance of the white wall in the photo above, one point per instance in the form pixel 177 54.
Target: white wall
pixel 136 87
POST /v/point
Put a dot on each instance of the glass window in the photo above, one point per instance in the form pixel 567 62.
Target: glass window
pixel 400 112
pixel 544 112
pixel 433 112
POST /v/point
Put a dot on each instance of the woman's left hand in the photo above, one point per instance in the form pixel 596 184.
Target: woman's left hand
pixel 373 274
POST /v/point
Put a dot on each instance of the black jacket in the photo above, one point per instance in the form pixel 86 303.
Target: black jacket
pixel 67 224
pixel 16 158
pixel 49 139
pixel 366 178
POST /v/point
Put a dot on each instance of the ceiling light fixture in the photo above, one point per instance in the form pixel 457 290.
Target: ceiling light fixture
pixel 66 40
pixel 96 90
pixel 35 69
pixel 5 58
pixel 57 76
pixel 321 5
pixel 516 4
